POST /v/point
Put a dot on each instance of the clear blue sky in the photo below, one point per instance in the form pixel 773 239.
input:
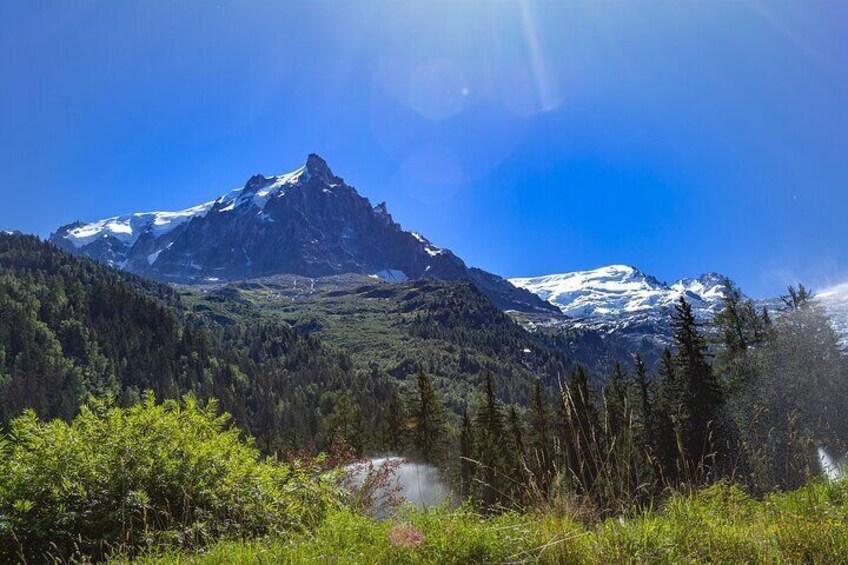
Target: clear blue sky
pixel 529 137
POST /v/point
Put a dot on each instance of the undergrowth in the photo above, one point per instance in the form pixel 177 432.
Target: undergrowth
pixel 720 524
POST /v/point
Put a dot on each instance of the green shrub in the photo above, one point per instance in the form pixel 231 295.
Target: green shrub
pixel 146 477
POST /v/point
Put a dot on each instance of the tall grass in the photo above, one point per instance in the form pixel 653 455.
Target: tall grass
pixel 719 524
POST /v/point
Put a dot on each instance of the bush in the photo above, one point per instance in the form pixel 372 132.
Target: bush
pixel 147 477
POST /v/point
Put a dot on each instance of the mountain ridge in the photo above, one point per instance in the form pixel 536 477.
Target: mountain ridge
pixel 307 222
pixel 623 293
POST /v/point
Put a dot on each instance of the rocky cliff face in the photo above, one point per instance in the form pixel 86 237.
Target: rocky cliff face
pixel 308 222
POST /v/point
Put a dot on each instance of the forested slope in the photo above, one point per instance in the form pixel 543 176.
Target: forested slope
pixel 71 329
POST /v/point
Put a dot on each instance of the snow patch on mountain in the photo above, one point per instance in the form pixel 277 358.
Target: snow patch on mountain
pixel 390 275
pixel 429 248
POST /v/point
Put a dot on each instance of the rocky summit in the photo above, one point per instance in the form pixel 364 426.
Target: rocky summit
pixel 308 222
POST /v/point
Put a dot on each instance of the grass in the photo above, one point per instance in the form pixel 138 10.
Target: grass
pixel 720 524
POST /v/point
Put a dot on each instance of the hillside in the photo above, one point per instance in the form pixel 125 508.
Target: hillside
pixel 449 329
pixel 71 329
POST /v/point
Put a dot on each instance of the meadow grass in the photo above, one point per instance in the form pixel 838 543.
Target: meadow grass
pixel 720 524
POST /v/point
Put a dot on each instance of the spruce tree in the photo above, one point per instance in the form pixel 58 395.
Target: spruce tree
pixel 489 441
pixel 668 416
pixel 516 452
pixel 346 421
pixel 427 421
pixel 796 299
pixel 700 397
pixel 646 407
pixel 739 327
pixel 394 427
pixel 615 402
pixel 466 454
pixel 540 438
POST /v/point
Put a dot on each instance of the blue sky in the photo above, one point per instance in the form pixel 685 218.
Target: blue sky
pixel 529 137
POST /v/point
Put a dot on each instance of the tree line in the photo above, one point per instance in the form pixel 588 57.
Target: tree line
pixel 749 397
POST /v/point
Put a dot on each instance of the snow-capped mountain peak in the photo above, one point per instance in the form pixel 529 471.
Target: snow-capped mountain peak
pixel 709 287
pixel 616 290
pixel 308 222
pixel 623 298
pixel 628 309
pixel 128 228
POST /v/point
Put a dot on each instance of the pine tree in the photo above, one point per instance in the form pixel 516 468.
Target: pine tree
pixel 427 421
pixel 668 416
pixel 516 452
pixel 466 454
pixel 796 299
pixel 540 439
pixel 700 397
pixel 394 427
pixel 799 396
pixel 615 402
pixel 646 407
pixel 489 441
pixel 346 421
pixel 739 328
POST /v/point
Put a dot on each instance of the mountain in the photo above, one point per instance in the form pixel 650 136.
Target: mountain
pixel 619 297
pixel 308 222
pixel 618 309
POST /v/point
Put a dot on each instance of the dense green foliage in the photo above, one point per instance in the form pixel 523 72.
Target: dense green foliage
pixel 71 330
pixel 149 476
pixel 750 400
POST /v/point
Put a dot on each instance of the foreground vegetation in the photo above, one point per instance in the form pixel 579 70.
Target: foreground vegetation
pixel 718 525
pixel 175 483
pixel 149 477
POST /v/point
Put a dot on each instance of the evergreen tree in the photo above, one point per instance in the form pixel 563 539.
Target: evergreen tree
pixel 739 328
pixel 395 425
pixel 427 421
pixel 796 299
pixel 489 441
pixel 615 402
pixel 540 438
pixel 346 421
pixel 668 416
pixel 797 401
pixel 466 454
pixel 646 407
pixel 516 452
pixel 700 397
